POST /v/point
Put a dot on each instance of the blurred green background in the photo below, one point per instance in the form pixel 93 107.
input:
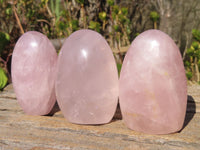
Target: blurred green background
pixel 119 21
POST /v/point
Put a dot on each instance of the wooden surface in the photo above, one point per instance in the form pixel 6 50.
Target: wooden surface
pixel 22 132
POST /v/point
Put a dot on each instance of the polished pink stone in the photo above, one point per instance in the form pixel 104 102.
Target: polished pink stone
pixel 153 87
pixel 33 73
pixel 87 79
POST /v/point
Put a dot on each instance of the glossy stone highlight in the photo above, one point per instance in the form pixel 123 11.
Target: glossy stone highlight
pixel 153 87
pixel 87 79
pixel 33 73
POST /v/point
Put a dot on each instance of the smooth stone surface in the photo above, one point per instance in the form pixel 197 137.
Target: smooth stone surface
pixel 33 73
pixel 87 79
pixel 153 87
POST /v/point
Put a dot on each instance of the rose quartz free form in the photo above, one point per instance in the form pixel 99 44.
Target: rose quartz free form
pixel 87 79
pixel 153 88
pixel 33 73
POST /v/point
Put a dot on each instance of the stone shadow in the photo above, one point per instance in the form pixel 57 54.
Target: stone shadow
pixel 190 111
pixel 55 109
pixel 118 114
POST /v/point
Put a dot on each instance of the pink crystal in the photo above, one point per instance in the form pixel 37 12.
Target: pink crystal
pixel 33 73
pixel 153 87
pixel 87 79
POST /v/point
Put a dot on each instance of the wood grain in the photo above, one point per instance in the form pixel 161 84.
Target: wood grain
pixel 23 132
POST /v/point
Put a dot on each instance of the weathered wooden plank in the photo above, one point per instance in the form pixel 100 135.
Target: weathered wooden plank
pixel 49 131
pixel 20 131
pixel 194 91
pixel 8 92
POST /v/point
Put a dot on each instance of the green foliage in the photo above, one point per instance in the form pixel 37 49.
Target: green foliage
pixel 6 17
pixel 110 2
pixel 102 16
pixel 3 79
pixel 28 8
pixel 119 66
pixel 136 34
pixel 116 28
pixel 194 50
pixel 80 1
pixel 74 25
pixel 121 25
pixel 192 62
pixel 59 18
pixel 195 45
pixel 187 63
pixel 124 11
pixel 196 34
pixel 8 11
pixel 94 26
pixel 154 16
pixel 189 75
pixel 4 40
pixel 61 25
pixel 55 8
pixel 115 9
